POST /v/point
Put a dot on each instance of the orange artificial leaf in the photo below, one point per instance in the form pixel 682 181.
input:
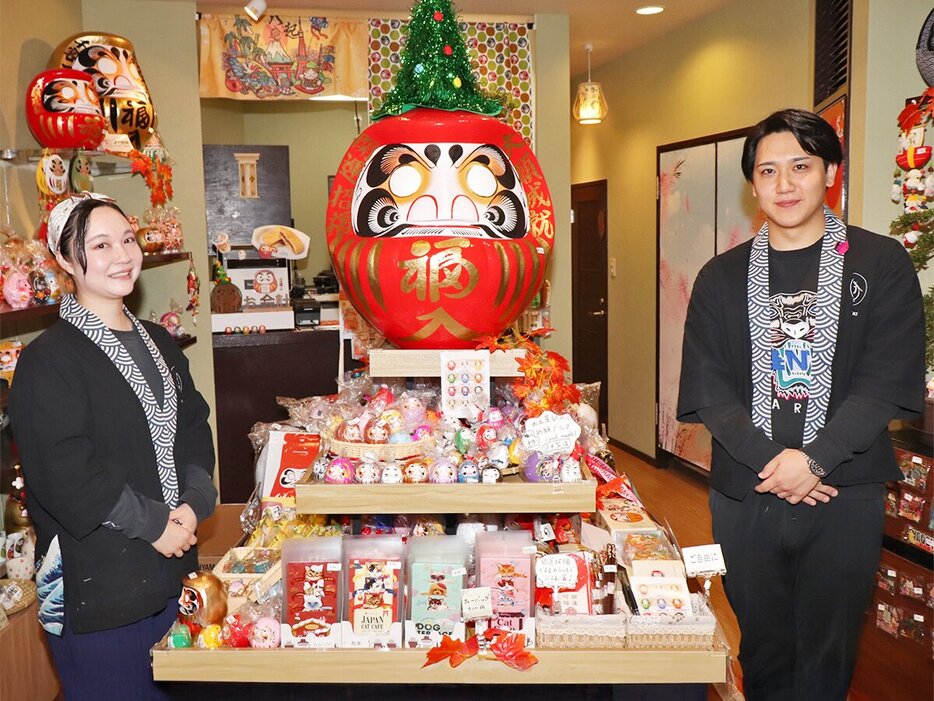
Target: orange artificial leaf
pixel 452 650
pixel 509 649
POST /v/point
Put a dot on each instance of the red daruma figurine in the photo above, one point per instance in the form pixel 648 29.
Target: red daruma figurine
pixel 63 110
pixel 439 223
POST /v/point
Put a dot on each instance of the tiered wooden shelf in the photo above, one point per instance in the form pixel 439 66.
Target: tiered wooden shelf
pixel 405 667
pixel 512 495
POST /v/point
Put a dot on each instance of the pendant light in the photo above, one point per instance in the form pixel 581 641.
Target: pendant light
pixel 589 105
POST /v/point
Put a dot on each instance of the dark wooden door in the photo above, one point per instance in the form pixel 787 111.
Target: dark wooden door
pixel 589 286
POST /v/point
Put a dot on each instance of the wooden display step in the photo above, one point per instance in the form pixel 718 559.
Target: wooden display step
pixel 405 667
pixel 427 363
pixel 512 495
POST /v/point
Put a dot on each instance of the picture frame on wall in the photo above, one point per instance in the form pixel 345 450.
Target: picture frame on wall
pixel 699 216
pixel 836 115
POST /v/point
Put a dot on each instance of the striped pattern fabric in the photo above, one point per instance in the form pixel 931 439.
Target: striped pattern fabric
pixel 826 320
pixel 161 418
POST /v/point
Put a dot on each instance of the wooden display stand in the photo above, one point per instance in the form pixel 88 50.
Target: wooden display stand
pixel 27 673
pixel 596 666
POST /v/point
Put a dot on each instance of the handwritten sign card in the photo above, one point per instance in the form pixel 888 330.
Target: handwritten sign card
pixel 551 434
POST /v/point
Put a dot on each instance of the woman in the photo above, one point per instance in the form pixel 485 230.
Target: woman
pixel 117 455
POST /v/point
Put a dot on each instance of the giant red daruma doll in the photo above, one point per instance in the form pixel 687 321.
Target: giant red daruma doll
pixel 440 226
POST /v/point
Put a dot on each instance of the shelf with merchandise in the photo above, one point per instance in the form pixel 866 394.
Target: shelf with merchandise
pixel 382 666
pixel 149 261
pixel 103 163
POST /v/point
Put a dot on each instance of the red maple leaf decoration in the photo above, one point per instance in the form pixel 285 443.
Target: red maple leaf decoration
pixel 509 649
pixel 454 651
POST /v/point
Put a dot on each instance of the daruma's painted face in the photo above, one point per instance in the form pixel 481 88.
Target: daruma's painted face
pixel 440 189
pixel 440 226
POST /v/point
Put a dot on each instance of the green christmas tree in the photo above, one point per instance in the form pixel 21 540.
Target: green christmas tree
pixel 436 71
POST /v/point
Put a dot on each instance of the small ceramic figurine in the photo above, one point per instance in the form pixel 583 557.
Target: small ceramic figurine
pixel 319 467
pixel 570 470
pixel 415 471
pixel 486 436
pixel 392 473
pixel 368 470
pixel 376 432
pixel 468 472
pixel 393 419
pixel 464 439
pixel 340 471
pixel 490 475
pixel 265 633
pixel 350 431
pixel 442 472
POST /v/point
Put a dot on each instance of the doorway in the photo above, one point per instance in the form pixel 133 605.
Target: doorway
pixel 589 286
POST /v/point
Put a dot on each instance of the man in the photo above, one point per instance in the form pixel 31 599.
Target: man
pixel 800 347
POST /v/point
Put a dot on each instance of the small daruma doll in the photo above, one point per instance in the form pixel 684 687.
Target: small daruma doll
pixel 203 600
pixel 63 110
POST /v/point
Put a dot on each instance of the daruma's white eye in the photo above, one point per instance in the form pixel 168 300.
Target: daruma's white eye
pixel 481 181
pixel 107 66
pixel 68 93
pixel 404 181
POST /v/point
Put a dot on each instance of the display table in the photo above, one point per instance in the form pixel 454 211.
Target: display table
pixel 405 666
pixel 28 674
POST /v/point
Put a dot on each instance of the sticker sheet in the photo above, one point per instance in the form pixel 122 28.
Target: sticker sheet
pixel 508 580
pixel 465 383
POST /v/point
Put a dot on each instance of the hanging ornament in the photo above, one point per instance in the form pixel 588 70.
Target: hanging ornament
pixel 194 290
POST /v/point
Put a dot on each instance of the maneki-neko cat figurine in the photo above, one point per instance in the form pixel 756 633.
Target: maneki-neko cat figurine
pixel 440 223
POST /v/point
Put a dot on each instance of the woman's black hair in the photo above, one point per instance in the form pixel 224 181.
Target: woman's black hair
pixel 75 230
pixel 813 134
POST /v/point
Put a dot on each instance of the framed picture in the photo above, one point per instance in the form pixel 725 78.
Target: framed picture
pixel 245 186
pixel 699 216
pixel 835 115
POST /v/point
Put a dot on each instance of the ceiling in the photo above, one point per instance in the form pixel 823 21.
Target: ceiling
pixel 610 25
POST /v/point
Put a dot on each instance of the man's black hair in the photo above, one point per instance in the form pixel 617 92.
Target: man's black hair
pixel 814 135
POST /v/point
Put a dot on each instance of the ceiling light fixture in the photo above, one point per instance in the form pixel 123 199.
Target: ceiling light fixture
pixel 650 10
pixel 589 105
pixel 255 9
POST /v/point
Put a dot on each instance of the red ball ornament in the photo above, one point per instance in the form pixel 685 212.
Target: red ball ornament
pixel 439 15
pixel 448 50
pixel 440 226
pixel 63 110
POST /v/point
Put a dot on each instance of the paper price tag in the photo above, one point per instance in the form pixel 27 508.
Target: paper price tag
pixel 890 573
pixel 703 559
pixel 529 550
pixel 556 572
pixel 476 602
pixel 334 567
pixel 609 568
pixel 918 617
pixel 916 459
pixel 550 433
pixel 459 572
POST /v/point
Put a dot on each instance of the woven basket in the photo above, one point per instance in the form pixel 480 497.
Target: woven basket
pixel 580 632
pixel 690 633
pixel 382 451
pixel 16 594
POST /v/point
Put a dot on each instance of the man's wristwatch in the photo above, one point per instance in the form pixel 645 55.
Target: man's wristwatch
pixel 814 466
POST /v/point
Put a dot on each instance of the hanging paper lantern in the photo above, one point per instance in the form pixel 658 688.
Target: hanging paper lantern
pixel 63 110
pixel 110 61
pixel 440 226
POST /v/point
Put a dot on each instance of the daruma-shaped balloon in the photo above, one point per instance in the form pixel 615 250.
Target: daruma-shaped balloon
pixel 110 61
pixel 439 226
pixel 63 111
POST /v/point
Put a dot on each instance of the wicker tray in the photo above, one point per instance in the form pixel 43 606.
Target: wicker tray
pixel 579 632
pixel 690 633
pixel 235 554
pixel 383 451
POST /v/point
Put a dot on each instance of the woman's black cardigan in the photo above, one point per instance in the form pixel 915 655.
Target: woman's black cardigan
pixel 82 435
